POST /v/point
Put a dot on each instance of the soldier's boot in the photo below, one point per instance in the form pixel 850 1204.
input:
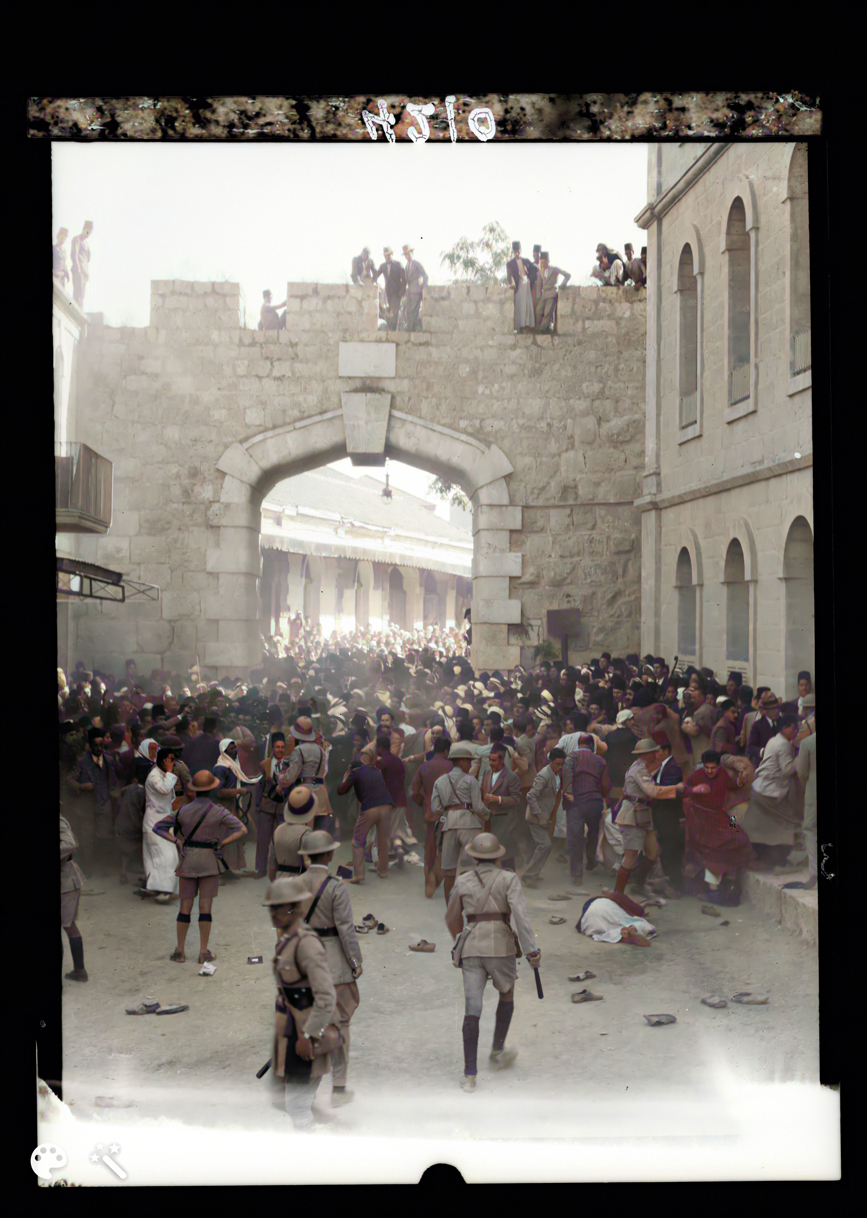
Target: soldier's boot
pixel 641 871
pixel 501 1057
pixel 471 1049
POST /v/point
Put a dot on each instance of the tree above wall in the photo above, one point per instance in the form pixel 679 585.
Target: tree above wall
pixel 449 491
pixel 481 262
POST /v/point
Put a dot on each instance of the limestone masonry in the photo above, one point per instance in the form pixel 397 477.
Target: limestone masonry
pixel 202 417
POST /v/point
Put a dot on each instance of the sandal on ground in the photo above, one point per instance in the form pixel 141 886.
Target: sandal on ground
pixel 750 1000
pixel 172 1008
pixel 206 957
pixel 369 919
pixel 361 929
pixel 655 1020
pixel 586 996
pixel 711 911
pixel 146 1006
pixel 178 956
pixel 555 921
pixel 558 896
pixel 714 1001
pixel 382 929
pixel 422 946
pixel 585 976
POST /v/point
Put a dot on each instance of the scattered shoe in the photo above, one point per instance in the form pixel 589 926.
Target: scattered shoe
pixel 751 1000
pixel 587 996
pixel 173 1008
pixel 715 1002
pixel 341 1096
pixel 555 921
pixel 146 1006
pixel 710 911
pixel 77 974
pixel 207 970
pixel 362 929
pixel 422 946
pixel 802 883
pixel 585 976
pixel 726 923
pixel 163 898
pixel 503 1058
pixel 468 1082
pixel 655 1020
pixel 369 919
pixel 382 929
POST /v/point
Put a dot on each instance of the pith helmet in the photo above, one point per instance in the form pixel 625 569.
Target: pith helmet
pixel 300 806
pixel 485 846
pixel 318 842
pixel 286 891
pixel 457 751
pixel 645 746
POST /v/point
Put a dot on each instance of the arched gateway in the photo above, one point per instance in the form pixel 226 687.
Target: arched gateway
pixel 202 415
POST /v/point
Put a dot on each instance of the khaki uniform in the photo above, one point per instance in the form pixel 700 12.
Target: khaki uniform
pixel 71 875
pixel 284 848
pixel 457 799
pixel 333 922
pixel 305 992
pixel 306 765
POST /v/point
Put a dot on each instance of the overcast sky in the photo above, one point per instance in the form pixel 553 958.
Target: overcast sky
pixel 263 215
pixel 267 214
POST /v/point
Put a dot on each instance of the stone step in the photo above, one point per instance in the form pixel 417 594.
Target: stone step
pixel 795 909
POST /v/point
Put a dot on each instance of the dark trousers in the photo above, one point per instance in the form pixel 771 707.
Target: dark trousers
pixel 265 822
pixel 413 302
pixel 669 834
pixel 393 310
pixel 587 811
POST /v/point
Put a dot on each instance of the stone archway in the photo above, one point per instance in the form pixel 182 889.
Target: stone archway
pixel 252 467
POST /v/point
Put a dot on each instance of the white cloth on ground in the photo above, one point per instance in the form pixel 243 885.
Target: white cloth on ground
pixel 604 921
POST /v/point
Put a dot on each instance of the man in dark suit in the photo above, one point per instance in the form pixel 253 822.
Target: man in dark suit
pixel 521 273
pixel 416 282
pixel 363 270
pixel 667 822
pixel 395 285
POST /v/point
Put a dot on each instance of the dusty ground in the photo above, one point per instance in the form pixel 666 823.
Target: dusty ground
pixel 199 1066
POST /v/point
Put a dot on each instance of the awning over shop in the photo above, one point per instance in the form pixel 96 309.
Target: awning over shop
pixel 87 581
pixel 397 558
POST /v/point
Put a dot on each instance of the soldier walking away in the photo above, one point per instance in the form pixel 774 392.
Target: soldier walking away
pixel 489 898
pixel 71 880
pixel 298 812
pixel 330 915
pixel 304 1032
pixel 456 801
pixel 306 765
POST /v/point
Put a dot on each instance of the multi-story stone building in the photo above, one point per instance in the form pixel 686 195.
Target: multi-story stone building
pixel 727 525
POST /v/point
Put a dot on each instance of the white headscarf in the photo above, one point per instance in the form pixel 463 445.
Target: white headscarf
pixel 144 747
pixel 231 764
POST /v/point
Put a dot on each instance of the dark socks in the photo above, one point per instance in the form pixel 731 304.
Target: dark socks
pixel 76 946
pixel 471 1043
pixel 501 1024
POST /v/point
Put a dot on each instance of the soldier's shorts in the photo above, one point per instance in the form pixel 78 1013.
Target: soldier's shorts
pixel 454 841
pixel 476 970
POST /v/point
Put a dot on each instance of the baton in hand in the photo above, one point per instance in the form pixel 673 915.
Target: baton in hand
pixel 538 982
pixel 261 1073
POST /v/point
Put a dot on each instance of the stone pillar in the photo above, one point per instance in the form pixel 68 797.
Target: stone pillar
pixel 651 557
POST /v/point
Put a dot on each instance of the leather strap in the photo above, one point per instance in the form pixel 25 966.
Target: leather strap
pixel 489 917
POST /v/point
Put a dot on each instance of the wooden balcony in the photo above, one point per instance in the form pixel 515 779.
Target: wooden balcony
pixel 83 486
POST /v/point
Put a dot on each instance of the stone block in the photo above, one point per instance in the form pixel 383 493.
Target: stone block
pixel 154 636
pixel 238 462
pixel 240 560
pixel 244 654
pixel 492 541
pixel 113 550
pixel 366 359
pixel 497 564
pixel 242 515
pixel 148 549
pixel 218 607
pixel 496 611
pixel 365 420
pixel 181 605
pixel 491 587
pixel 489 516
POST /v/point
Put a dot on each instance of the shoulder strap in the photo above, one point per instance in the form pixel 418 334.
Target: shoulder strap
pixel 191 835
pixel 315 900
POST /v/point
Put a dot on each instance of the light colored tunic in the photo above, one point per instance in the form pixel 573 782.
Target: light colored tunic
pixel 488 889
pixel 774 811
pixel 458 788
pixel 604 921
pixel 524 312
pixel 160 856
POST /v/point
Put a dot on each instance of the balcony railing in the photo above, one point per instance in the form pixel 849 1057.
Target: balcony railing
pixel 689 409
pixel 83 484
pixel 739 384
pixel 801 352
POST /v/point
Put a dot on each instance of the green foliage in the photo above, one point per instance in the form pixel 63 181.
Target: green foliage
pixel 547 650
pixel 450 492
pixel 483 261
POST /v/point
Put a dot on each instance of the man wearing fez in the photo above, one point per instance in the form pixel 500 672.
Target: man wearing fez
pixel 269 318
pixel 522 274
pixel 395 285
pixel 81 263
pixel 547 292
pixel 416 282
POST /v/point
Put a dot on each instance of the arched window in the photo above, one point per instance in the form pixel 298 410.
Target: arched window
pixel 396 599
pixel 800 357
pixel 737 244
pixel 799 611
pixel 431 610
pixel 737 605
pixel 686 615
pixel 687 338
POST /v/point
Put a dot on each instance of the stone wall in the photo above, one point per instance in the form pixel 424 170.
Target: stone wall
pixel 202 417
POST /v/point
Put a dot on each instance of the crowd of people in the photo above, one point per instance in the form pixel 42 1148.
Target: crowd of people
pixel 667 778
pixel 615 270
